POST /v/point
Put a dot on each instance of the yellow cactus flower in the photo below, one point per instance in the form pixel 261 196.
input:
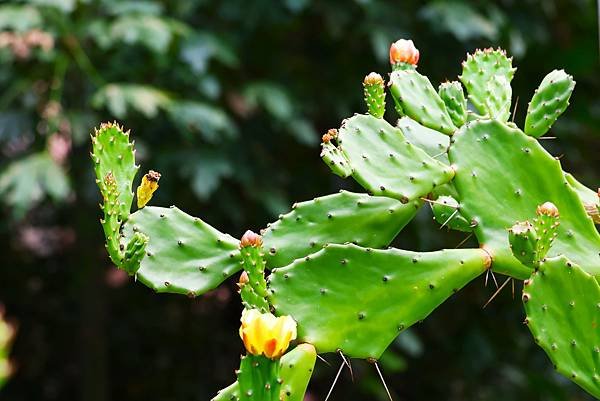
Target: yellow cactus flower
pixel 147 187
pixel 265 334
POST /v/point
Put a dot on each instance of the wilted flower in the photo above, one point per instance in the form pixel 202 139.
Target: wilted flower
pixel 147 187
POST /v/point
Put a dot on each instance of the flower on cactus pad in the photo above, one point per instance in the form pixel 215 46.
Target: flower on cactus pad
pixel 265 334
pixel 147 188
pixel 404 51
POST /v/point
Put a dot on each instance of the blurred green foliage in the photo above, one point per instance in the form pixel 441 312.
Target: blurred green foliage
pixel 228 99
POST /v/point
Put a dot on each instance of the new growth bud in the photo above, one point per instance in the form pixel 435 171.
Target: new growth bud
pixel 547 209
pixel 243 279
pixel 373 79
pixel 251 238
pixel 331 134
pixel 404 51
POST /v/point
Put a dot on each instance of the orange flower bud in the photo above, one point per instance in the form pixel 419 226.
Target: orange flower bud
pixel 251 238
pixel 404 51
pixel 265 334
pixel 244 279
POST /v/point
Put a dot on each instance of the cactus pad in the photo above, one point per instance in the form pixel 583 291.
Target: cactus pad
pixel 113 153
pixel 431 141
pixel 335 159
pixel 184 255
pixel 454 98
pixel 358 299
pixel 339 218
pixel 420 101
pixel 479 68
pixel 499 95
pixel 550 100
pixel 501 175
pixel 385 163
pixel 562 303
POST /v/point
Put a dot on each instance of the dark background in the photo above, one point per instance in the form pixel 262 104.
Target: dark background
pixel 228 99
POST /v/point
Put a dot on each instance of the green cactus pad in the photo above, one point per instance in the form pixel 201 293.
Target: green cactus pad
pixel 258 379
pixel 454 98
pixel 134 253
pixel 385 163
pixel 550 100
pixel 499 95
pixel 357 300
pixel 446 211
pixel 296 368
pixel 431 141
pixel 479 69
pixel 370 221
pixel 562 303
pixel 184 255
pixel 254 292
pixel 420 101
pixel 523 240
pixel 336 160
pixel 374 92
pixel 501 176
pixel 113 153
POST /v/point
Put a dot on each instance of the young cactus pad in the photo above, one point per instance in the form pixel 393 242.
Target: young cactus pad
pixel 113 153
pixel 501 176
pixel 420 101
pixel 479 69
pixel 357 300
pixel 454 98
pixel 385 163
pixel 339 218
pixel 549 102
pixel 562 303
pixel 184 255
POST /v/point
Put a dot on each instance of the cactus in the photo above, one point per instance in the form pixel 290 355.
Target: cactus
pixel 550 100
pixel 330 275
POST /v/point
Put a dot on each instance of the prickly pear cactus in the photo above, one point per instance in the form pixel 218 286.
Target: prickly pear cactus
pixel 323 276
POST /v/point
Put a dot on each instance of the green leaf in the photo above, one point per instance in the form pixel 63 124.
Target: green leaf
pixel 121 99
pixel 212 123
pixel 25 182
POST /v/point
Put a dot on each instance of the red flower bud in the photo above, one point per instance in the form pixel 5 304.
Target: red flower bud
pixel 404 51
